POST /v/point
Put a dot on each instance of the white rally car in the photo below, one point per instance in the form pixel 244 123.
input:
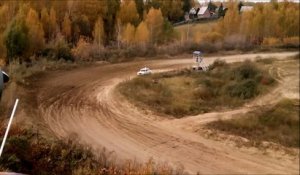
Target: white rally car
pixel 144 71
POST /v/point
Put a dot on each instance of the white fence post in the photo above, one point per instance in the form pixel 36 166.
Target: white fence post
pixel 9 124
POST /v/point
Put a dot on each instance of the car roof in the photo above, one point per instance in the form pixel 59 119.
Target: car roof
pixel 145 68
pixel 197 52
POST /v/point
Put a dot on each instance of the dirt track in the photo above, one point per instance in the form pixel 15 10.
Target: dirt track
pixel 84 103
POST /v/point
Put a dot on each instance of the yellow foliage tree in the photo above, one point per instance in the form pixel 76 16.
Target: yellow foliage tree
pixel 53 27
pixel 66 27
pixel 98 32
pixel 231 20
pixel 142 34
pixel 128 12
pixel 4 17
pixel 2 48
pixel 45 19
pixel 154 21
pixel 128 35
pixel 35 32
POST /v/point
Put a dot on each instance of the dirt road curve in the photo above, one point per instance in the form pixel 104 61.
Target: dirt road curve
pixel 83 103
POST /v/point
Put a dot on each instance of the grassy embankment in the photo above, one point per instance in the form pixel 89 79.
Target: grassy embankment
pixel 27 152
pixel 278 124
pixel 182 93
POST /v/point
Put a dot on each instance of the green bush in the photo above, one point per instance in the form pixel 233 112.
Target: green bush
pixel 217 63
pixel 247 70
pixel 16 39
pixel 244 90
pixel 58 49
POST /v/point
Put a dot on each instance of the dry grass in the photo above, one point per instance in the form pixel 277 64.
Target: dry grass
pixel 20 71
pixel 27 152
pixel 279 124
pixel 185 92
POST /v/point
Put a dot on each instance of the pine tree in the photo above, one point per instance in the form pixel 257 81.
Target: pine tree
pixel 16 39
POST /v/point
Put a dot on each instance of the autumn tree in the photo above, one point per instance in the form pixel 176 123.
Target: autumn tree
pixel 142 34
pixel 53 27
pixel 98 32
pixel 60 7
pixel 66 27
pixel 2 48
pixel 110 19
pixel 92 9
pixel 154 21
pixel 84 25
pixel 128 35
pixel 4 17
pixel 231 20
pixel 172 9
pixel 35 32
pixel 128 12
pixel 257 24
pixel 45 19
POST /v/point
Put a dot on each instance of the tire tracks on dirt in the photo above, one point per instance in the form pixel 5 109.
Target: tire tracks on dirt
pixel 83 103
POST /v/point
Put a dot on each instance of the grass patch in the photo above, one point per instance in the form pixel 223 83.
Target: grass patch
pixel 278 124
pixel 185 92
pixel 265 61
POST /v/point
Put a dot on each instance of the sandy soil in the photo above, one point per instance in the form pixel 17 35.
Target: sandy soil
pixel 84 104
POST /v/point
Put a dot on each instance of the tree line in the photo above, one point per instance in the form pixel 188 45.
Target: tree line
pixel 272 24
pixel 29 27
pixel 64 29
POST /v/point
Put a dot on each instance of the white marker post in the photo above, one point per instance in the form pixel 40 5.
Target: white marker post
pixel 9 123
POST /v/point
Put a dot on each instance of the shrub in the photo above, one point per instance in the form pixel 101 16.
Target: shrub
pixel 271 41
pixel 264 79
pixel 236 41
pixel 203 93
pixel 247 70
pixel 217 63
pixel 244 90
pixel 82 50
pixel 291 41
pixel 58 49
pixel 265 60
